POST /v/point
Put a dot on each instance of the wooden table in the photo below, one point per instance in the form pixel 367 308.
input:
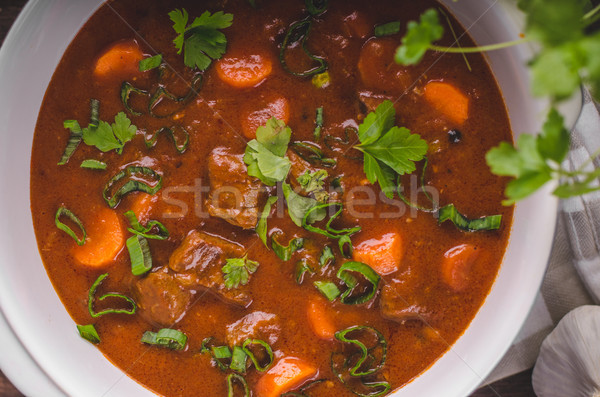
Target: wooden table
pixel 515 386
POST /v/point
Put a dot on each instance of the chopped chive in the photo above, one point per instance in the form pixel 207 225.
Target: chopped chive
pixel 299 32
pixel 318 123
pixel 89 333
pixel 93 165
pixel 316 7
pixel 139 253
pixel 326 256
pixel 150 63
pixel 302 267
pixel 91 300
pixel 181 147
pixel 126 90
pixel 132 185
pixel 136 228
pixel 64 211
pixel 327 288
pixel 449 212
pixel 312 153
pixel 231 378
pixel 268 350
pixel 238 360
pixel 387 29
pixel 221 352
pixel 95 113
pixel 74 140
pixel 167 338
pixel 261 226
pixel 285 252
pixel 344 274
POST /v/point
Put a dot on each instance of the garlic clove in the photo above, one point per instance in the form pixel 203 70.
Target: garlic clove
pixel 569 360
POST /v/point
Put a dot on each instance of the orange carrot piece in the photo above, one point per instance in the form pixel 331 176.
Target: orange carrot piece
pixel 288 374
pixel 320 320
pixel 244 71
pixel 105 238
pixel 457 264
pixel 256 116
pixel 122 58
pixel 383 254
pixel 448 100
pixel 143 206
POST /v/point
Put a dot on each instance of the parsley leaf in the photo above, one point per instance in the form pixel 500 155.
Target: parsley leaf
pixel 313 182
pixel 150 63
pixel 554 21
pixel 388 150
pixel 419 38
pixel 107 137
pixel 265 155
pixel 237 271
pixel 201 41
pixel 298 206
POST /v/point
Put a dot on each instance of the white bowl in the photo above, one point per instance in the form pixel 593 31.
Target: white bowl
pixel 35 314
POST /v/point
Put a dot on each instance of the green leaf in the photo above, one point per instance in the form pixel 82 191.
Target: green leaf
pixel 275 136
pixel 505 160
pixel 553 142
pixel 298 206
pixel 284 252
pixel 328 289
pixel 261 226
pixel 379 172
pixel 201 41
pixel 525 185
pixel 313 182
pixel 237 271
pixel 555 71
pixel 387 29
pixel 377 122
pixel 123 129
pixel 399 149
pixel 150 63
pixel 91 164
pixel 449 212
pixel 265 155
pixel 554 21
pixel 419 37
pixel 102 137
pixel 89 333
pixel 326 256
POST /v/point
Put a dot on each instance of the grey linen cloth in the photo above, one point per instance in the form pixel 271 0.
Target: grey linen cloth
pixel 573 275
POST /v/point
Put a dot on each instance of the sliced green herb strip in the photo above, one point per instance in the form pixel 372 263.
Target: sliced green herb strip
pixel 150 63
pixel 449 212
pixel 316 7
pixel 167 338
pixel 344 274
pixel 93 165
pixel 132 185
pixel 326 256
pixel 321 80
pixel 261 226
pixel 74 140
pixel 318 123
pixel 62 211
pixel 328 289
pixel 329 231
pixel 231 379
pixel 387 29
pixel 163 95
pixel 302 267
pixel 342 243
pixel 94 113
pixel 416 205
pixel 126 90
pixel 139 253
pixel 89 333
pixel 367 357
pixel 302 209
pixel 238 360
pixel 299 31
pixel 285 252
pixel 221 352
pixel 91 300
pixel 137 228
pixel 312 153
pixel 269 353
pixel 181 147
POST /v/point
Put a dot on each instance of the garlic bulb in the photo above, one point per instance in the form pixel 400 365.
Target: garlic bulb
pixel 569 360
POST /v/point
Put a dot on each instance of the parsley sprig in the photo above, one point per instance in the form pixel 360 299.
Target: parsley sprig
pixel 237 271
pixel 201 41
pixel 388 150
pixel 265 155
pixel 569 56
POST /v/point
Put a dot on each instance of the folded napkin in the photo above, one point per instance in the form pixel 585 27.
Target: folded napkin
pixel 573 275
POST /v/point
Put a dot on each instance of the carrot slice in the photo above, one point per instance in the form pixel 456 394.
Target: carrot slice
pixel 457 264
pixel 105 238
pixel 383 254
pixel 288 374
pixel 257 114
pixel 448 100
pixel 243 72
pixel 122 58
pixel 320 320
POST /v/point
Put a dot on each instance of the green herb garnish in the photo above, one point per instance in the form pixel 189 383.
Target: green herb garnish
pixel 63 211
pixel 89 333
pixel 168 338
pixel 387 29
pixel 92 299
pixel 265 155
pixel 314 183
pixel 201 41
pixel 106 137
pixel 93 165
pixel 237 271
pixel 139 254
pixel 300 206
pixel 328 289
pixel 261 226
pixel 150 63
pixel 284 252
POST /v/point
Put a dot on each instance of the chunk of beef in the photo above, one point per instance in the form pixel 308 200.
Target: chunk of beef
pixel 402 307
pixel 161 298
pixel 234 196
pixel 256 325
pixel 198 262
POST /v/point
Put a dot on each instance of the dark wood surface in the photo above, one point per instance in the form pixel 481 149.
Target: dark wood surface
pixel 515 386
